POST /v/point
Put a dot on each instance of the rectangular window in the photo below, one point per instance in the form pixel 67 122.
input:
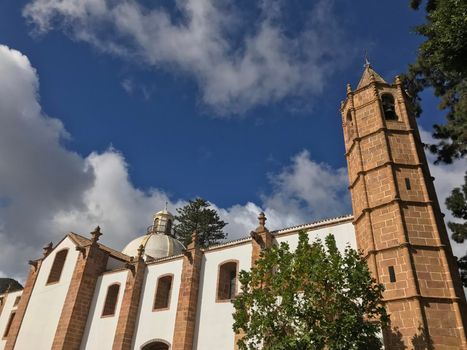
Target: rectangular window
pixel 8 325
pixel 392 274
pixel 407 184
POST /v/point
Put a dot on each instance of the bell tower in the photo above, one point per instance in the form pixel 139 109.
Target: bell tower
pixel 397 219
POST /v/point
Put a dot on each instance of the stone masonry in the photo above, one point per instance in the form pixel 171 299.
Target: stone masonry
pixel 91 264
pixel 185 321
pixel 398 222
pixel 23 304
pixel 129 310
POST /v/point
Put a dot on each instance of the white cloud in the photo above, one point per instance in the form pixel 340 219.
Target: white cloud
pixel 38 176
pixel 308 190
pixel 47 190
pixel 447 177
pixel 237 64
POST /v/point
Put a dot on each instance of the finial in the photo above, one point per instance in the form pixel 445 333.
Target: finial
pixel 367 62
pixel 166 205
pixel 262 222
pixel 140 251
pixel 47 249
pixel 349 89
pixel 96 234
pixel 398 80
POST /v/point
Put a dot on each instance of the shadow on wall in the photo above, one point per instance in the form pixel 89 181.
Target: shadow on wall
pixel 420 341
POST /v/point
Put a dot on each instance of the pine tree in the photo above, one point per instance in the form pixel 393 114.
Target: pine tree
pixel 440 65
pixel 198 216
pixel 457 204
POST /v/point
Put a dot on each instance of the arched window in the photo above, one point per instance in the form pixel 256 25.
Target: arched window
pixel 349 116
pixel 57 266
pixel 111 300
pixel 163 291
pixel 168 227
pixel 227 281
pixel 156 345
pixel 389 110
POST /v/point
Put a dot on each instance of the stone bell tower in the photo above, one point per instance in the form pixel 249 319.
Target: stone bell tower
pixel 397 219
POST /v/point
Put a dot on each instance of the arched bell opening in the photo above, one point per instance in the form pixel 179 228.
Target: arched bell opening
pixel 389 110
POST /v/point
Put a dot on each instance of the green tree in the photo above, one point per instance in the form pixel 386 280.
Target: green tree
pixel 312 298
pixel 440 65
pixel 198 216
pixel 457 204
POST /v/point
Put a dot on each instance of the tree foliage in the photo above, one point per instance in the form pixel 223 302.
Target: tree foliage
pixel 198 216
pixel 312 298
pixel 440 65
pixel 457 204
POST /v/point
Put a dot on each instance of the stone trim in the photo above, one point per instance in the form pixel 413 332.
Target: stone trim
pixel 384 129
pixel 130 304
pixel 185 319
pixel 361 173
pixel 23 304
pixel 395 200
pixel 89 266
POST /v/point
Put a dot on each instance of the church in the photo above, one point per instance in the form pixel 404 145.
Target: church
pixel 156 294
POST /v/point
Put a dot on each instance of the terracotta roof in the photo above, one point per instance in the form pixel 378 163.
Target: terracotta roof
pixel 366 77
pixel 83 241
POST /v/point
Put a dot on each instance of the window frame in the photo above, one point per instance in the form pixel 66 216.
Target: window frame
pixel 219 267
pixel 48 282
pixel 116 300
pixel 169 299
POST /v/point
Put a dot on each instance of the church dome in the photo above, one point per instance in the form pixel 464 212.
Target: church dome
pixel 157 242
pixel 155 245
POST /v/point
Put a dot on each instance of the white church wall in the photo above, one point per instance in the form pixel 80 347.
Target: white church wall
pixel 214 319
pixel 8 307
pixel 158 324
pixel 37 331
pixel 100 330
pixel 344 234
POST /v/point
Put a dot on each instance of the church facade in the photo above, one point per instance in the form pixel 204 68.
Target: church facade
pixel 157 294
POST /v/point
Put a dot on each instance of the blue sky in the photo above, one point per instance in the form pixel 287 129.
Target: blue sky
pixel 153 101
